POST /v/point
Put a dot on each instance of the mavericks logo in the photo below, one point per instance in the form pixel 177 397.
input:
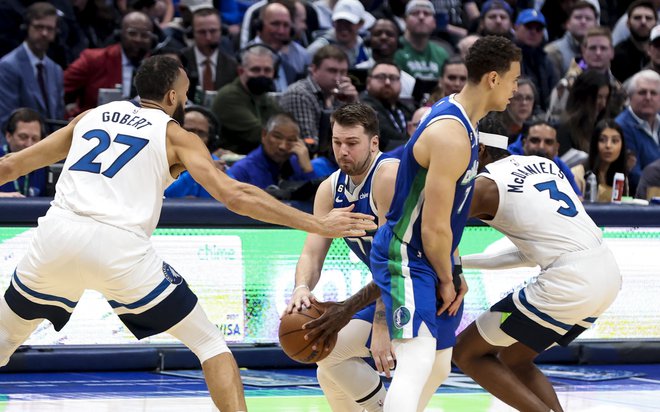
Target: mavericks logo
pixel 401 317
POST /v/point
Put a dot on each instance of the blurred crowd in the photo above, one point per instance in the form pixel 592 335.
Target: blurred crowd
pixel 265 76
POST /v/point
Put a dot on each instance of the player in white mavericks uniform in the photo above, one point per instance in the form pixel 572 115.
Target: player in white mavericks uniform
pixel 529 200
pixel 119 159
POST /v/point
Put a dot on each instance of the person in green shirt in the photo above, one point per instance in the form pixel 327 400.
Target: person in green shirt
pixel 418 55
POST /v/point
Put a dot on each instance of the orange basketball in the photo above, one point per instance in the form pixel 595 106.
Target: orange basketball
pixel 292 336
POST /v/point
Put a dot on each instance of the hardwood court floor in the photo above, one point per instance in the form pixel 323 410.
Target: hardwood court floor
pixel 146 392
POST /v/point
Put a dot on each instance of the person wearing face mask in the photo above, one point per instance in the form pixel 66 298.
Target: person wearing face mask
pixel 243 106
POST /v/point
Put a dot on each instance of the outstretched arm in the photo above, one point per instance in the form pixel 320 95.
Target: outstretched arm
pixel 185 149
pixel 504 259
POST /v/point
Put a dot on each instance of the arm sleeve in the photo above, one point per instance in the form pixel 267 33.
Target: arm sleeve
pixel 505 259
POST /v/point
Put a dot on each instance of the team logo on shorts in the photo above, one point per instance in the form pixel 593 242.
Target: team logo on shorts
pixel 171 275
pixel 401 317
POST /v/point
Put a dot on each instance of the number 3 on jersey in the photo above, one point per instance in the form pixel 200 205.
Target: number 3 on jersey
pixel 555 194
pixel 87 163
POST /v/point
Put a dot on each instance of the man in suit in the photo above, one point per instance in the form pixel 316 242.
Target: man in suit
pixel 207 66
pixel 29 78
pixel 109 67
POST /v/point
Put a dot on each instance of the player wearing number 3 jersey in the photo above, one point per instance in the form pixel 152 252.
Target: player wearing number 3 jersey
pixel 119 159
pixel 530 200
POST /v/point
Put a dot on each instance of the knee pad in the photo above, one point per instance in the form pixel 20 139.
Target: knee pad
pixel 200 335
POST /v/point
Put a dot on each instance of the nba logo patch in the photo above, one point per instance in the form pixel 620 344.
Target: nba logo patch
pixel 171 275
pixel 401 317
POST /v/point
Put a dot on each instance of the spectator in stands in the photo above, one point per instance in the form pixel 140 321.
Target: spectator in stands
pixel 535 64
pixel 649 184
pixel 465 43
pixel 564 50
pixel 29 78
pixel 586 104
pixel 382 94
pixel 520 110
pixel 496 19
pixel 282 155
pixel 97 21
pixel 384 42
pixel 541 140
pixel 453 76
pixel 275 30
pixel 25 127
pixel 207 66
pixel 202 122
pixel 325 88
pixel 348 17
pixel 641 122
pixel 597 54
pixel 178 32
pixel 653 50
pixel 108 67
pixel 630 55
pixel 243 106
pixel 417 55
pixel 607 156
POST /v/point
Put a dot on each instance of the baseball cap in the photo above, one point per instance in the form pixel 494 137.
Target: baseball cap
pixel 419 4
pixel 655 33
pixel 496 4
pixel 350 10
pixel 194 5
pixel 530 16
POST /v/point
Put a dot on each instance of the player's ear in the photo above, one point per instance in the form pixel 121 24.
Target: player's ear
pixel 493 79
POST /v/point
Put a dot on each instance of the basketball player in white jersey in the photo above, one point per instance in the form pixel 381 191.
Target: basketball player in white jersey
pixel 119 159
pixel 530 200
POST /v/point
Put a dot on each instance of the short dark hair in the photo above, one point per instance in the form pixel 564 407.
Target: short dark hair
pixel 357 114
pixel 583 4
pixel 490 53
pixel 537 122
pixel 640 3
pixel 25 115
pixel 38 11
pixel 329 52
pixel 456 59
pixel 156 76
pixel 381 62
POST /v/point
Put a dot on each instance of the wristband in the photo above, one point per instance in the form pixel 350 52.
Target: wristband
pixel 300 286
pixel 458 269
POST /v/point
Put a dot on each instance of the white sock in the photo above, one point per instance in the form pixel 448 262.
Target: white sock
pixel 440 371
pixel 345 378
pixel 414 361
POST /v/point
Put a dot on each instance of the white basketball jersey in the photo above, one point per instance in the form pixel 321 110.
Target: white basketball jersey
pixel 117 169
pixel 538 209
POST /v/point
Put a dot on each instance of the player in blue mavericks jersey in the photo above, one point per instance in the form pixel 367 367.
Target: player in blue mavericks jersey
pixel 365 179
pixel 411 257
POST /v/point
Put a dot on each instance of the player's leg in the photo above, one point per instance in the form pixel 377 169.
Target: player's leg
pixel 415 358
pixel 350 383
pixel 478 359
pixel 519 358
pixel 220 369
pixel 439 372
pixel 14 330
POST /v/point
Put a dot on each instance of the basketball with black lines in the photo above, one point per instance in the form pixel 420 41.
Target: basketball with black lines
pixel 292 336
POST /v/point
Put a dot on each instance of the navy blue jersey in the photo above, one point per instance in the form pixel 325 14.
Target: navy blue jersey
pixel 360 195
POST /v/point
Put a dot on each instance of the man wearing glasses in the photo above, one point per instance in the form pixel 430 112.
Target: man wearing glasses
pixel 382 94
pixel 206 64
pixel 110 67
pixel 29 78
